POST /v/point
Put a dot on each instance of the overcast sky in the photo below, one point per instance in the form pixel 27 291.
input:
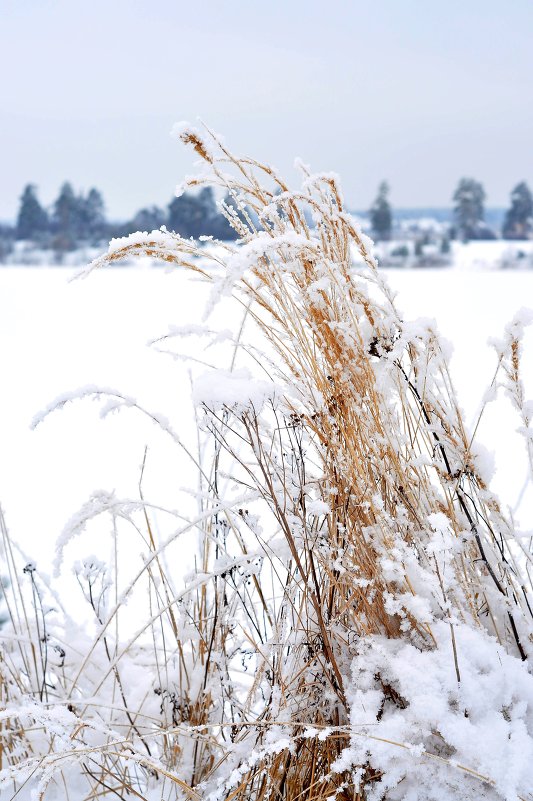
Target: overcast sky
pixel 417 92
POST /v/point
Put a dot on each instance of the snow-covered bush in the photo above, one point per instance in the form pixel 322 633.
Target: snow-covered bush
pixel 358 623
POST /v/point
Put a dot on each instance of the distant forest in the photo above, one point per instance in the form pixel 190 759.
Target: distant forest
pixel 78 219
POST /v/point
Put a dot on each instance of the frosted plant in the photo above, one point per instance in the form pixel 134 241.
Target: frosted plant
pixel 358 624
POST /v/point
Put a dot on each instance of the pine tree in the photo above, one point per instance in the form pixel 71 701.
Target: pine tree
pixel 93 220
pixel 197 215
pixel 32 219
pixel 67 218
pixel 380 213
pixel 186 215
pixel 469 199
pixel 518 222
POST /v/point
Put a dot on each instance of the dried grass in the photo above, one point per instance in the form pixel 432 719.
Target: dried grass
pixel 372 427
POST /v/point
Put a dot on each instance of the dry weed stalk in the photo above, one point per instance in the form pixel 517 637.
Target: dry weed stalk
pixel 363 461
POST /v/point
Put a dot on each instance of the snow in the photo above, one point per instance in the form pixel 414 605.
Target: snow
pixel 491 255
pixel 318 508
pixel 483 716
pixel 236 390
pixel 59 335
pixel 160 238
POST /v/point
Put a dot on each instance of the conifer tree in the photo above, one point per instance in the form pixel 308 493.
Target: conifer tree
pixel 32 219
pixel 66 218
pixel 518 222
pixel 380 214
pixel 469 211
pixel 187 213
pixel 92 215
pixel 197 214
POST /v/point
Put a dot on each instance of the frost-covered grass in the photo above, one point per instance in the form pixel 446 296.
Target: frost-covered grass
pixel 328 601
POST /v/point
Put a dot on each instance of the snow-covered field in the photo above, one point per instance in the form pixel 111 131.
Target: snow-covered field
pixel 59 336
pixel 62 338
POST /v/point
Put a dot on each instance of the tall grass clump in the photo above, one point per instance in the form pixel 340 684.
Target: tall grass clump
pixel 358 624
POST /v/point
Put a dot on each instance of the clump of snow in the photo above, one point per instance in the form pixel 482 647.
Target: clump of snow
pixel 439 522
pixel 484 461
pixel 437 730
pixel 318 508
pixel 160 238
pixel 235 390
pixel 180 127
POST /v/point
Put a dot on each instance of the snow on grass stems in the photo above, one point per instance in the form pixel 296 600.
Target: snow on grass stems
pixel 370 546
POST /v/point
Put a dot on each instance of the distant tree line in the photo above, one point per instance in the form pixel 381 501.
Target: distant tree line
pixel 76 219
pixel 468 213
pixel 73 218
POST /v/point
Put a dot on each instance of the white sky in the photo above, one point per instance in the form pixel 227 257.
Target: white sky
pixel 417 92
